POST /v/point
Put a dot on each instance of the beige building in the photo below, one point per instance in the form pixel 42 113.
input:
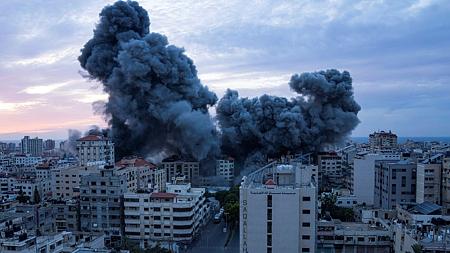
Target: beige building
pixel 428 186
pixel 176 167
pixel 66 181
pixel 141 174
pixel 94 149
pixel 446 185
pixel 225 169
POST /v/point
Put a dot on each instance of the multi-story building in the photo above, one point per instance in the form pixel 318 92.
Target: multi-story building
pixel 225 169
pixel 95 149
pixel 330 169
pixel 32 146
pixel 336 236
pixel 101 203
pixel 43 217
pixel 395 183
pixel 49 144
pixel 42 244
pixel 364 175
pixel 30 186
pixel 67 216
pixel 446 183
pixel 66 181
pixel 278 210
pixel 7 184
pixel 25 160
pixel 175 167
pixel 141 174
pixel 172 216
pixel 43 172
pixel 428 186
pixel 383 140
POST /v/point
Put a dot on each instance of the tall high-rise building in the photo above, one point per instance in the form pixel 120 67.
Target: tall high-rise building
pixel 330 169
pixel 225 169
pixel 94 149
pixel 383 140
pixel 32 146
pixel 278 210
pixel 395 183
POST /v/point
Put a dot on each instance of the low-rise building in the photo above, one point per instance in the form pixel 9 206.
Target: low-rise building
pixel 172 216
pixel 66 181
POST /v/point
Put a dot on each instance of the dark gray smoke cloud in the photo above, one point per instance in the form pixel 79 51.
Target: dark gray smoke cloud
pixel 324 112
pixel 156 101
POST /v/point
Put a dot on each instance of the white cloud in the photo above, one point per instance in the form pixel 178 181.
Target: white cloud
pixel 45 89
pixel 17 106
pixel 46 58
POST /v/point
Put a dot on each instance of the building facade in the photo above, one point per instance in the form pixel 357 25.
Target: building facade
pixel 395 183
pixel 383 140
pixel 278 210
pixel 176 167
pixel 31 146
pixel 429 180
pixel 94 149
pixel 225 169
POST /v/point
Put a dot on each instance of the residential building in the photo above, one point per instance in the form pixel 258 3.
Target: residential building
pixel 31 185
pixel 141 174
pixel 43 221
pixel 95 149
pixel 32 146
pixel 364 175
pixel 225 169
pixel 101 203
pixel 428 187
pixel 42 244
pixel 67 215
pixel 66 181
pixel 395 183
pixel 330 169
pixel 25 160
pixel 383 140
pixel 335 236
pixel 49 144
pixel 172 216
pixel 176 167
pixel 446 183
pixel 278 209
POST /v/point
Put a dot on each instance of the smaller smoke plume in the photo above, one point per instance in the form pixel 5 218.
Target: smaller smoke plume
pixel 70 145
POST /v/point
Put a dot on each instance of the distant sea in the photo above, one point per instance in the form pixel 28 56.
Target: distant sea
pixel 404 139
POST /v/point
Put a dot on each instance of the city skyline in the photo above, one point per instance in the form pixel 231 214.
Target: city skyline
pixel 44 94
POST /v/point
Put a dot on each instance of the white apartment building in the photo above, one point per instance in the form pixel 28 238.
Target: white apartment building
pixel 364 175
pixel 32 146
pixel 25 160
pixel 66 181
pixel 171 216
pixel 428 186
pixel 7 184
pixel 27 185
pixel 94 149
pixel 141 174
pixel 278 210
pixel 176 167
pixel 225 169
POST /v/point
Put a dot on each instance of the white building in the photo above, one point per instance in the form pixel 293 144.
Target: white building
pixel 41 244
pixel 278 210
pixel 364 175
pixel 25 160
pixel 330 169
pixel 94 149
pixel 225 169
pixel 172 216
pixel 141 174
pixel 32 146
pixel 28 186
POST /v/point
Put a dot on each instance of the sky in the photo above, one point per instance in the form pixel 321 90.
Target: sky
pixel 398 53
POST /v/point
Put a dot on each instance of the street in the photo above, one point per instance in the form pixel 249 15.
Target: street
pixel 212 239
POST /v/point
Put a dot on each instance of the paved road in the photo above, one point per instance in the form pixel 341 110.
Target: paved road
pixel 212 239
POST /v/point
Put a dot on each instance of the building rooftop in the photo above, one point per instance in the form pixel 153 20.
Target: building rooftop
pixel 92 137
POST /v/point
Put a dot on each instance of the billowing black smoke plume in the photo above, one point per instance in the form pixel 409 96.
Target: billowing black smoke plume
pixel 254 129
pixel 156 101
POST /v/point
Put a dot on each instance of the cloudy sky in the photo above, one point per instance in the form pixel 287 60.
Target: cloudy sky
pixel 398 53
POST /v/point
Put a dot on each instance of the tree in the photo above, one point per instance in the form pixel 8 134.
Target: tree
pixel 36 196
pixel 417 248
pixel 22 198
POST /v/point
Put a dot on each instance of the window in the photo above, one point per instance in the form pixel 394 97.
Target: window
pixel 269 240
pixel 306 237
pixel 269 200
pixel 306 198
pixel 306 211
pixel 305 249
pixel 306 224
pixel 269 214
